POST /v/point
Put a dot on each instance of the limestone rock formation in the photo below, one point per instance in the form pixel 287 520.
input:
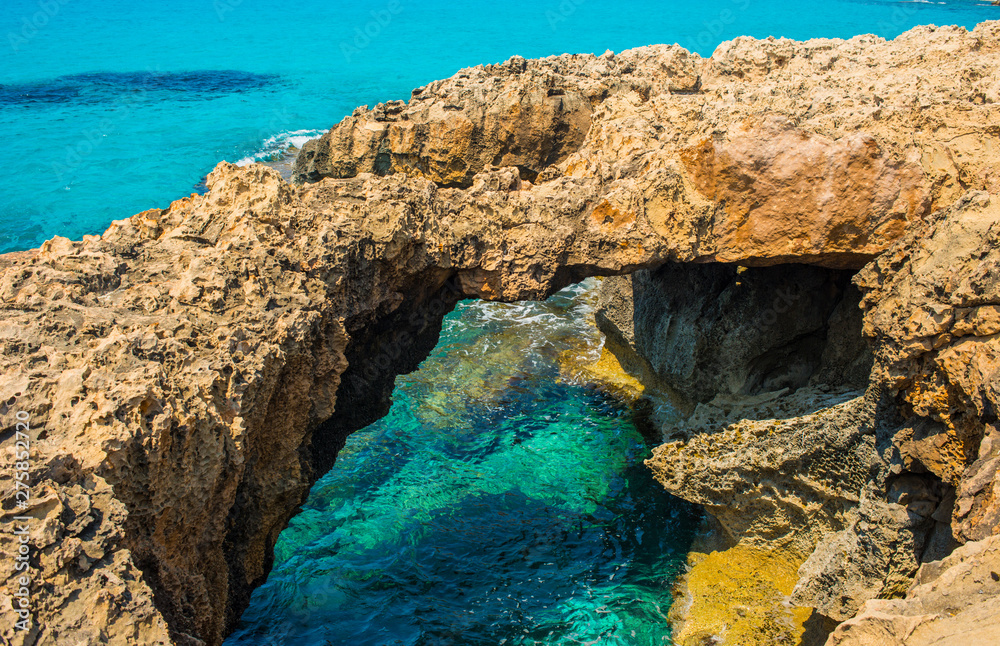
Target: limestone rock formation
pixel 820 152
pixel 779 473
pixel 774 483
pixel 916 491
pixel 528 114
pixel 751 331
pixel 936 324
pixel 937 452
pixel 877 555
pixel 953 602
pixel 189 373
pixel 211 339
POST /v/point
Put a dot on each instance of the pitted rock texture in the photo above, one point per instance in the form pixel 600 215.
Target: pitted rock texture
pixel 878 554
pixel 927 477
pixel 204 362
pixel 187 356
pixel 529 114
pixel 933 308
pixel 773 483
pixel 935 483
pixel 821 152
pixel 952 602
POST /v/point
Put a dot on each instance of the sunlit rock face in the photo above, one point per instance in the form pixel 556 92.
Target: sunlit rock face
pixel 770 151
pixel 190 372
pixel 863 479
pixel 951 601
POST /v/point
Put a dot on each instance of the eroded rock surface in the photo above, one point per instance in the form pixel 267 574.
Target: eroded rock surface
pixel 189 373
pixel 749 331
pixel 779 473
pixel 778 483
pixel 952 602
pixel 821 151
pixel 933 308
pixel 919 478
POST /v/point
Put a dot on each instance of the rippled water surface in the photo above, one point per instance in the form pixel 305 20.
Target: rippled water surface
pixel 496 504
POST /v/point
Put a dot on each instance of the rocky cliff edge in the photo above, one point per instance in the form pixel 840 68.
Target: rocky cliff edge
pixel 190 372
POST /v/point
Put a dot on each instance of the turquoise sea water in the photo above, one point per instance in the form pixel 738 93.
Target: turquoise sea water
pixel 495 504
pixel 110 107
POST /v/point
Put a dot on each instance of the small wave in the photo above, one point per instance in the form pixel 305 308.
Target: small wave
pixel 277 147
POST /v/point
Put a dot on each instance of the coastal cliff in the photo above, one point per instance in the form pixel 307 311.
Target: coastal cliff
pixel 192 371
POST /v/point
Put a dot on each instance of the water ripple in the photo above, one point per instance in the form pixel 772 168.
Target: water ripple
pixel 494 505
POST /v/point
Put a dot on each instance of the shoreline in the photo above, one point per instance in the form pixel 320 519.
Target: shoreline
pixel 246 332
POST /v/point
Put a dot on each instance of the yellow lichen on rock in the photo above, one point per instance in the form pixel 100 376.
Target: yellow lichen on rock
pixel 739 596
pixel 606 374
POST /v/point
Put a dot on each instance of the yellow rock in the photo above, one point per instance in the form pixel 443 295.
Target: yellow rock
pixel 606 373
pixel 738 596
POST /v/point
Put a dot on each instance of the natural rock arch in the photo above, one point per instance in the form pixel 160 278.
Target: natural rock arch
pixel 187 371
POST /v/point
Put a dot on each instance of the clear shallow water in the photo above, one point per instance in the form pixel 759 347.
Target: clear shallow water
pixel 110 107
pixel 495 504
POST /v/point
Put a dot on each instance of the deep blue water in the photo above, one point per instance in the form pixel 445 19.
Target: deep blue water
pixel 497 503
pixel 110 107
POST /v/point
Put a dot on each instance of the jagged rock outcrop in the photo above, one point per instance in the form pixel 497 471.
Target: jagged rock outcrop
pixel 778 473
pixel 933 308
pixel 773 147
pixel 771 482
pixel 528 114
pixel 189 373
pixel 921 475
pixel 211 340
pixel 929 303
pixel 952 602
